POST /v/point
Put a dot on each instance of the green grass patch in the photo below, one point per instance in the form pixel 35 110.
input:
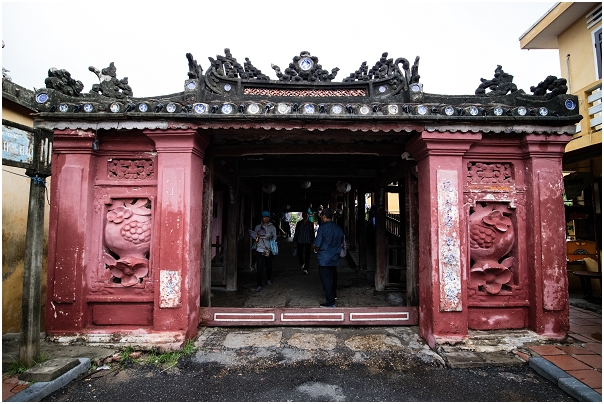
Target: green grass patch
pixel 155 357
pixel 125 355
pixel 16 367
pixel 170 359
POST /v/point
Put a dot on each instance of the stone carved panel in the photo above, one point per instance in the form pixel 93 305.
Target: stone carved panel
pixel 492 238
pixel 490 174
pixel 124 169
pixel 127 240
pixel 448 241
pixel 169 287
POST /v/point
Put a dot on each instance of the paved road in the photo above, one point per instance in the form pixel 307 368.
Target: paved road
pixel 311 364
pixel 313 381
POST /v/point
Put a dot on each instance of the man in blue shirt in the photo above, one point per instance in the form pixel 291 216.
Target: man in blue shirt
pixel 327 246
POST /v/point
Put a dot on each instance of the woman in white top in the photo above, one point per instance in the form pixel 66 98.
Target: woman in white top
pixel 265 232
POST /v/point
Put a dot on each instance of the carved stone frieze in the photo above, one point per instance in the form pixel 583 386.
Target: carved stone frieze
pixel 490 173
pixel 271 92
pixel 124 169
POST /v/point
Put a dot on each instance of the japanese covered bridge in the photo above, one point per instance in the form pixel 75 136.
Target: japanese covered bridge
pixel 481 231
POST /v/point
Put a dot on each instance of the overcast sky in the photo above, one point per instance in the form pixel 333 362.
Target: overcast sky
pixel 458 43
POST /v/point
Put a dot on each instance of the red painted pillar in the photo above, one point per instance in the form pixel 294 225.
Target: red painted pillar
pixel 443 250
pixel 72 195
pixel 177 249
pixel 546 228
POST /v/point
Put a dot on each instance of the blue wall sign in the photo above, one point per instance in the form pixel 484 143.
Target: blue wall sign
pixel 17 145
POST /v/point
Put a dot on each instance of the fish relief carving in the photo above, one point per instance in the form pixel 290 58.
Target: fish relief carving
pixel 492 238
pixel 127 240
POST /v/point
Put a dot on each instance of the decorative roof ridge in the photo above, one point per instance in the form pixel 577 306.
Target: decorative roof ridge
pixel 358 126
pixel 390 88
pixel 286 125
pixel 489 128
pixel 127 125
pixel 304 69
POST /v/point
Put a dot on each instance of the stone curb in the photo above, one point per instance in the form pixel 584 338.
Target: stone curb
pixel 563 380
pixel 39 390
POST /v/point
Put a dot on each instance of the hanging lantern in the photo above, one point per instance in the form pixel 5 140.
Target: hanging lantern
pixel 269 187
pixel 343 187
pixel 305 184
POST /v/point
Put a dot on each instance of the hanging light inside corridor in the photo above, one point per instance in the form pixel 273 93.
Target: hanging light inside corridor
pixel 269 187
pixel 343 187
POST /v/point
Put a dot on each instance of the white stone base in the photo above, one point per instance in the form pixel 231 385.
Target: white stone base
pixel 162 341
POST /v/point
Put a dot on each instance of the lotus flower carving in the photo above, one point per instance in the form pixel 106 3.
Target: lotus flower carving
pixel 491 279
pixel 128 270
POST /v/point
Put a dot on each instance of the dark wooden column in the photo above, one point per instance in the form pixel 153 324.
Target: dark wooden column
pixel 230 253
pixel 362 231
pixel 352 220
pixel 206 233
pixel 31 306
pixel 381 244
pixel 411 236
pixel 246 208
pixel 29 342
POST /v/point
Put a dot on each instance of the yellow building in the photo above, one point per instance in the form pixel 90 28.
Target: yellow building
pixel 575 29
pixel 17 107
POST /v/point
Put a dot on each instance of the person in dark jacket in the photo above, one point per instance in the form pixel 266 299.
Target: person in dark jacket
pixel 304 235
pixel 327 245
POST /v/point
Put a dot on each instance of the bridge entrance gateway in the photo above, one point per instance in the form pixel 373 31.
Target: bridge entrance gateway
pixel 152 198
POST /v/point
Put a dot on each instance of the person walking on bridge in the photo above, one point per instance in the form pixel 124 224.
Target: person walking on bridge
pixel 304 235
pixel 327 246
pixel 265 232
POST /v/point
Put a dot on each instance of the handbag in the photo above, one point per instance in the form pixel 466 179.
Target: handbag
pixel 344 248
pixel 294 252
pixel 274 247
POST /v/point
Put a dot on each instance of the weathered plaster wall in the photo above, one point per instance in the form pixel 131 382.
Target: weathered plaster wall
pixel 15 197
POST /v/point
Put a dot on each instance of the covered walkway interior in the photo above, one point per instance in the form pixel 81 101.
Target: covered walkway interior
pixel 292 288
